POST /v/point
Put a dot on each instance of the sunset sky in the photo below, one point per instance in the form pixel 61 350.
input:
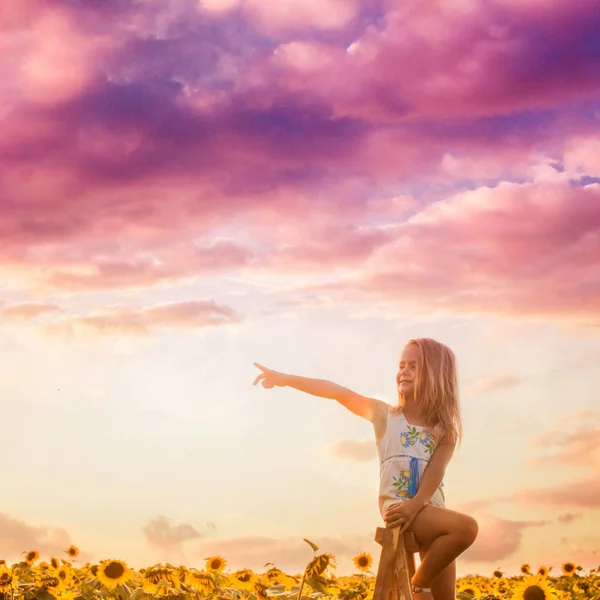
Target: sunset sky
pixel 187 187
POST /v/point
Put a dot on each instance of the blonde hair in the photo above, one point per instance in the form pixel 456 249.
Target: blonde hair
pixel 436 390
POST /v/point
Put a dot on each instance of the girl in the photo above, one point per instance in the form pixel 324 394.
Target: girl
pixel 415 442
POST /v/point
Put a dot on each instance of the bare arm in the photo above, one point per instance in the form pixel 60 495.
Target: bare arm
pixel 367 408
pixel 434 472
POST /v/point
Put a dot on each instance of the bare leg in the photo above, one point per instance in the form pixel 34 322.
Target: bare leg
pixel 446 534
pixel 443 587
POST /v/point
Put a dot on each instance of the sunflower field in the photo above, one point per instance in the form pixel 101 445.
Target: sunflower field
pixel 113 579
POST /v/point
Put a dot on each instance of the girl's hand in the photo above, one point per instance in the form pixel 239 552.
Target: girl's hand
pixel 402 514
pixel 269 377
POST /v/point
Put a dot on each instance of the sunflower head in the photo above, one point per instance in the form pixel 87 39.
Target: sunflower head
pixel 201 581
pixel 569 568
pixel 319 564
pixel 6 577
pixel 498 574
pixel 363 561
pixel 72 551
pixel 31 556
pixel 534 588
pixel 525 568
pixel 111 573
pixel 543 571
pixel 215 563
pixel 260 589
pixel 54 562
pixel 243 579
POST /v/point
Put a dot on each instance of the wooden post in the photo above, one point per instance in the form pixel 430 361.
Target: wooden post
pixel 396 565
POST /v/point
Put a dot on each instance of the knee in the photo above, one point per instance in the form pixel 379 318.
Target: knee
pixel 469 530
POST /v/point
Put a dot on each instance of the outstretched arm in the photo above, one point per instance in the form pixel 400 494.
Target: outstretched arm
pixel 367 408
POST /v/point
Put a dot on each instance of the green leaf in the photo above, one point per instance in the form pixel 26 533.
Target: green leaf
pixel 464 596
pixel 313 546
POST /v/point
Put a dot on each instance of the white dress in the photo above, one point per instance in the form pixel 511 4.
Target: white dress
pixel 404 452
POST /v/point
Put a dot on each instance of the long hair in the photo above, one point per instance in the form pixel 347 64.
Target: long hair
pixel 436 390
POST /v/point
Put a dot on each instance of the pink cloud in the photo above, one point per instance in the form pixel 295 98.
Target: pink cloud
pixel 162 532
pixel 28 310
pixel 56 60
pixel 140 321
pixel 497 539
pixel 569 447
pixel 568 517
pixel 493 384
pixel 518 250
pixel 17 536
pixel 302 14
pixel 583 493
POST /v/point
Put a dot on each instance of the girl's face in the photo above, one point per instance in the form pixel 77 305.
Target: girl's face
pixel 407 370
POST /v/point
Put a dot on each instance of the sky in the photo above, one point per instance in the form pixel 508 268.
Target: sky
pixel 187 187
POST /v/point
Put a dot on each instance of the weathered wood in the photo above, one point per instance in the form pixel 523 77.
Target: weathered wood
pixel 396 565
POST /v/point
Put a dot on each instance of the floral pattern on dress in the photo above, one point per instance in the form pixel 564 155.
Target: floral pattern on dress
pixel 411 436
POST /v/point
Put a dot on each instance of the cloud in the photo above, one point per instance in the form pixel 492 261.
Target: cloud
pixel 497 539
pixel 164 534
pixel 466 254
pixel 168 152
pixel 493 384
pixel 568 517
pixel 353 450
pixel 569 446
pixel 140 321
pixel 17 536
pixel 582 493
pixel 28 310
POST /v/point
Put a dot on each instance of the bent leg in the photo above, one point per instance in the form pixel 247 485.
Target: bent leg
pixel 446 534
pixel 443 587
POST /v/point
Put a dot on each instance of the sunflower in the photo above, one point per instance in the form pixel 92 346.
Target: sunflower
pixel 31 556
pixel 215 563
pixel 498 574
pixel 534 587
pixel 72 551
pixel 160 577
pixel 111 573
pixel 470 588
pixel 319 563
pixel 48 581
pixel 525 569
pixel 363 561
pixel 243 579
pixel 568 568
pixel 201 581
pixel 260 590
pixel 54 562
pixel 65 574
pixel 583 586
pixel 274 576
pixel 7 579
pixel 543 571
